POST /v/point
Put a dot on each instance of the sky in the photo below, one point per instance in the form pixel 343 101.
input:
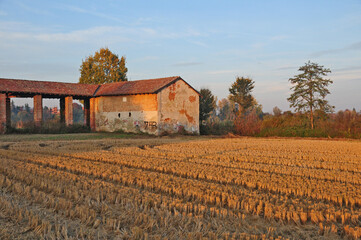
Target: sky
pixel 207 43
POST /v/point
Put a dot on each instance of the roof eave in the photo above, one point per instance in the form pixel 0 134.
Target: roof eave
pixel 170 83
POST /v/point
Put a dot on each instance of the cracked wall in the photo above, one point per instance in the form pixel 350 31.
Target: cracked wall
pixel 178 106
pixel 130 113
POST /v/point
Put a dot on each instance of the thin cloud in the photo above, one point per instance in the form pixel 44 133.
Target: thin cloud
pixel 186 64
pixel 279 37
pixel 78 36
pixel 198 43
pixel 340 76
pixel 354 46
pixel 31 9
pixel 100 33
pixel 222 72
pixel 2 13
pixel 346 69
pixel 91 12
pixel 280 87
pixel 148 58
pixel 287 68
pixel 72 36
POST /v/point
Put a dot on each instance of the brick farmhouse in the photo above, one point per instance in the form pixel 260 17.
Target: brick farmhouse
pixel 154 106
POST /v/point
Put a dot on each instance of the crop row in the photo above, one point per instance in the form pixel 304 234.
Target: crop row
pixel 270 206
pixel 97 201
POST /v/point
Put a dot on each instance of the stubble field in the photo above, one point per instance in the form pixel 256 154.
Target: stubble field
pixel 180 188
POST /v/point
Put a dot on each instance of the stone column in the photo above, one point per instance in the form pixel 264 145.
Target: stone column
pixel 3 112
pixel 38 110
pixel 87 112
pixel 92 114
pixel 62 110
pixel 69 110
pixel 8 113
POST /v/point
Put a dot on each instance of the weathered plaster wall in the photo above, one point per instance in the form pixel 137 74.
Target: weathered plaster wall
pixel 130 113
pixel 179 108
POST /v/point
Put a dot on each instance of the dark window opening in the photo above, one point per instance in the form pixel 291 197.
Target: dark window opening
pixel 130 114
pixel 118 115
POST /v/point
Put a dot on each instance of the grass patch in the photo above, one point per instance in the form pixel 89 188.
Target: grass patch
pixel 66 137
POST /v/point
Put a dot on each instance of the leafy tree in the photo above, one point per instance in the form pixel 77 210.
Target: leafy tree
pixel 27 108
pixel 310 89
pixel 207 103
pixel 225 109
pixel 277 111
pixel 78 113
pixel 240 93
pixel 103 67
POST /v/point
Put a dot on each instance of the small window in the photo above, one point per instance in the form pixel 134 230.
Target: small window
pixel 118 115
pixel 130 114
pixel 124 99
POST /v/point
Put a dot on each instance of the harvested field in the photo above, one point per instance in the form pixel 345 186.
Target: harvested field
pixel 180 188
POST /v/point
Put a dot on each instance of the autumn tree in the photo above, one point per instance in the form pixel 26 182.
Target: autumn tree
pixel 277 111
pixel 241 93
pixel 310 89
pixel 207 103
pixel 103 67
pixel 226 109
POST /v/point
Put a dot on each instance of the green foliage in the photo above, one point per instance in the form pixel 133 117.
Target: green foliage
pixel 216 127
pixel 226 109
pixel 103 67
pixel 240 92
pixel 207 103
pixel 50 127
pixel 344 124
pixel 310 89
pixel 78 114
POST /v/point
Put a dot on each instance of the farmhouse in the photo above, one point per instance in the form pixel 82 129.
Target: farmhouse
pixel 154 106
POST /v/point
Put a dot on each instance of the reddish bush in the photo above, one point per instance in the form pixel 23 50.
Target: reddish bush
pixel 248 124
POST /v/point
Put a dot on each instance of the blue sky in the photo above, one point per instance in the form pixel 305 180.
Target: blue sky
pixel 207 43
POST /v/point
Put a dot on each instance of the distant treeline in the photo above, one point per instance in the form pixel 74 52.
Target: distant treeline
pixel 23 116
pixel 343 124
pixel 314 117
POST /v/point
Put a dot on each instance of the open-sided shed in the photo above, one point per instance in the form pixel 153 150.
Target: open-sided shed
pixel 154 106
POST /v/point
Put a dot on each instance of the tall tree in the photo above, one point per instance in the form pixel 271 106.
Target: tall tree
pixel 277 111
pixel 240 92
pixel 310 89
pixel 207 103
pixel 103 67
pixel 225 109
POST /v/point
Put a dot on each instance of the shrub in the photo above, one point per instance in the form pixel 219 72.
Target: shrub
pixel 49 127
pixel 248 124
pixel 216 127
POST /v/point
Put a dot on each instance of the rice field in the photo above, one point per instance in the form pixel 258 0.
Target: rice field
pixel 180 188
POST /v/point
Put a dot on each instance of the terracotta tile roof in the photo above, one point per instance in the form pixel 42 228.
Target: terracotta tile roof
pixel 46 88
pixel 57 89
pixel 135 87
